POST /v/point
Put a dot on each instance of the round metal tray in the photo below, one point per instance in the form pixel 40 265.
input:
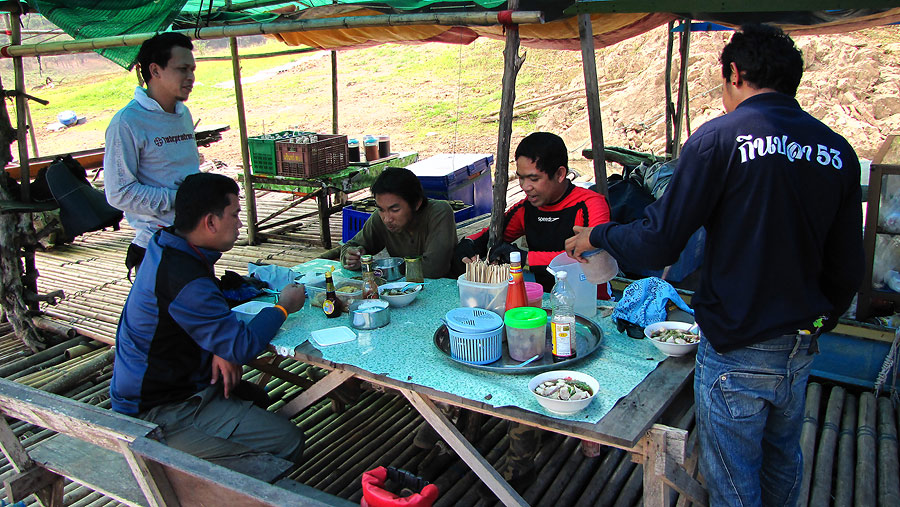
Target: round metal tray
pixel 587 339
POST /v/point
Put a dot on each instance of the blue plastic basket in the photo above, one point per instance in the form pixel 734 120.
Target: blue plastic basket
pixel 352 220
pixel 476 335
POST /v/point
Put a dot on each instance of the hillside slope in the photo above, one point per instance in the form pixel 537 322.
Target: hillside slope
pixel 435 98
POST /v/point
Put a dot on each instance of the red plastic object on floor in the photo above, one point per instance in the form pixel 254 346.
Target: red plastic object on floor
pixel 374 494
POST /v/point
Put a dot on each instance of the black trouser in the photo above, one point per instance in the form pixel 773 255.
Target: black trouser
pixel 133 258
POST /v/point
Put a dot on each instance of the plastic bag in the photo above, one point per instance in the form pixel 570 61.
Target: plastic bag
pixel 887 258
pixel 889 208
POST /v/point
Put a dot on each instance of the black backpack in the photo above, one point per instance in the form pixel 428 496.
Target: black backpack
pixel 82 208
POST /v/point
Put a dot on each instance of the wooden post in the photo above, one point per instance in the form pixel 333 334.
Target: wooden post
pixel 334 93
pixel 588 62
pixel 670 107
pixel 249 196
pixel 684 51
pixel 512 62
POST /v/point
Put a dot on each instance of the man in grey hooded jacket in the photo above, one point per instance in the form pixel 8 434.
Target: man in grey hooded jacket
pixel 150 146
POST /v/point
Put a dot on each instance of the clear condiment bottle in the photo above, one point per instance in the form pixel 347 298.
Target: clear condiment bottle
pixel 515 292
pixel 562 323
pixel 332 306
pixel 370 286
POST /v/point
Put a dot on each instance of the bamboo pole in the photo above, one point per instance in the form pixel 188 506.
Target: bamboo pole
pixel 684 51
pixel 512 62
pixel 821 485
pixel 843 483
pixel 334 93
pixel 249 196
pixel 34 359
pixel 589 64
pixel 670 106
pixel 303 25
pixel 888 467
pixel 255 56
pixel 76 375
pixel 808 438
pixel 864 485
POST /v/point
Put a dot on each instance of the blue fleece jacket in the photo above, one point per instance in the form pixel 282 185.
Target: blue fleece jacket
pixel 174 320
pixel 779 195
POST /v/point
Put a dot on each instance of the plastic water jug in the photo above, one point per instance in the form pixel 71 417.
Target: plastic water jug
pixel 585 291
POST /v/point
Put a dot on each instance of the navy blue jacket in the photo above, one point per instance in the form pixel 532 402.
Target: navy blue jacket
pixel 779 195
pixel 174 320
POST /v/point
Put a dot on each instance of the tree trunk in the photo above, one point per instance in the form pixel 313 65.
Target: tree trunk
pixel 16 232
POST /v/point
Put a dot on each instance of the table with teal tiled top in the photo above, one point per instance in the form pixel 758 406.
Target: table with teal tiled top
pixel 636 383
pixel 404 351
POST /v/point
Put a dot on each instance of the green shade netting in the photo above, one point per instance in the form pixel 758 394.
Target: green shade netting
pixel 85 19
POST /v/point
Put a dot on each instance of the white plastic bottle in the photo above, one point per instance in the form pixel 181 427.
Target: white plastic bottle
pixel 562 323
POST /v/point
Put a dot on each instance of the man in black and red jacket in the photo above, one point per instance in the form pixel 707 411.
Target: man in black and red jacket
pixel 552 205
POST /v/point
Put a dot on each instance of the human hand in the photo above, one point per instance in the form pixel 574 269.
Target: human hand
pixel 228 371
pixel 352 256
pixel 499 254
pixel 292 297
pixel 579 243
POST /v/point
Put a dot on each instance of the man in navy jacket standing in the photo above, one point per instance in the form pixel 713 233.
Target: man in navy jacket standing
pixel 779 195
pixel 179 348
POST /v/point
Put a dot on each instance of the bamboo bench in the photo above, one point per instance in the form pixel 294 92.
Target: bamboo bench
pixel 121 457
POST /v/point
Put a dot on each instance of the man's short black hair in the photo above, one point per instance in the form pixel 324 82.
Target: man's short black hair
pixel 400 181
pixel 765 57
pixel 158 50
pixel 548 151
pixel 199 194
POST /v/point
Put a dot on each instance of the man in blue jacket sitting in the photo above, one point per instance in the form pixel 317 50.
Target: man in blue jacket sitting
pixel 179 348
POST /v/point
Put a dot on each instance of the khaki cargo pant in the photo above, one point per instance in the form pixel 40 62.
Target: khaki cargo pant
pixel 209 426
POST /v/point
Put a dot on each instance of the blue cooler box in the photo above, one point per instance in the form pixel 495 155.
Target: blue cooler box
pixel 462 177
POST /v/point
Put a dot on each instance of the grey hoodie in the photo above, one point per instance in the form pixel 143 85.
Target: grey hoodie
pixel 149 152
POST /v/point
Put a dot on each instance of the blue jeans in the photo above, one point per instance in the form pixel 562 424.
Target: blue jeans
pixel 749 404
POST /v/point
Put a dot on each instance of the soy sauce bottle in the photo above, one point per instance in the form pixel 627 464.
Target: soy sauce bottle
pixel 332 306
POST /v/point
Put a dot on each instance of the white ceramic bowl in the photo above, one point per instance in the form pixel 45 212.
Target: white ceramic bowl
pixel 670 349
pixel 248 310
pixel 563 407
pixel 402 300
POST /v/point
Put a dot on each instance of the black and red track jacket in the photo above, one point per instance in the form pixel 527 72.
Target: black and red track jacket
pixel 546 228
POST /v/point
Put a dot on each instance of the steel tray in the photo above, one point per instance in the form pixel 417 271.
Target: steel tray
pixel 588 337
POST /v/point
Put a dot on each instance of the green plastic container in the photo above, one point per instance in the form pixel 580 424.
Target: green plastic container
pixel 526 332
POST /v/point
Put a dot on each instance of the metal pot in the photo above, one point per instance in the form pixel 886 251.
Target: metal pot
pixel 389 268
pixel 369 314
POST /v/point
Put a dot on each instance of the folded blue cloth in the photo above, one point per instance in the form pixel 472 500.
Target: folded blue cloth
pixel 644 302
pixel 276 276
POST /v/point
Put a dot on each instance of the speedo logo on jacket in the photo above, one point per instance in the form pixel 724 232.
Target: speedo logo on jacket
pixel 159 141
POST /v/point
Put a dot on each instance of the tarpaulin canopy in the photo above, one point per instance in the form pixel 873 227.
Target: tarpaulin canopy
pixel 85 19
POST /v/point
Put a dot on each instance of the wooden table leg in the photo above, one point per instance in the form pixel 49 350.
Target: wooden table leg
pixel 315 392
pixel 664 450
pixel 464 449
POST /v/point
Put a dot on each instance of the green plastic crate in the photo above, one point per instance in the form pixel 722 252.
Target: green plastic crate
pixel 262 150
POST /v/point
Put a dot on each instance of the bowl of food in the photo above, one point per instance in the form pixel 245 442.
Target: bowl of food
pixel 399 294
pixel 564 392
pixel 673 338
